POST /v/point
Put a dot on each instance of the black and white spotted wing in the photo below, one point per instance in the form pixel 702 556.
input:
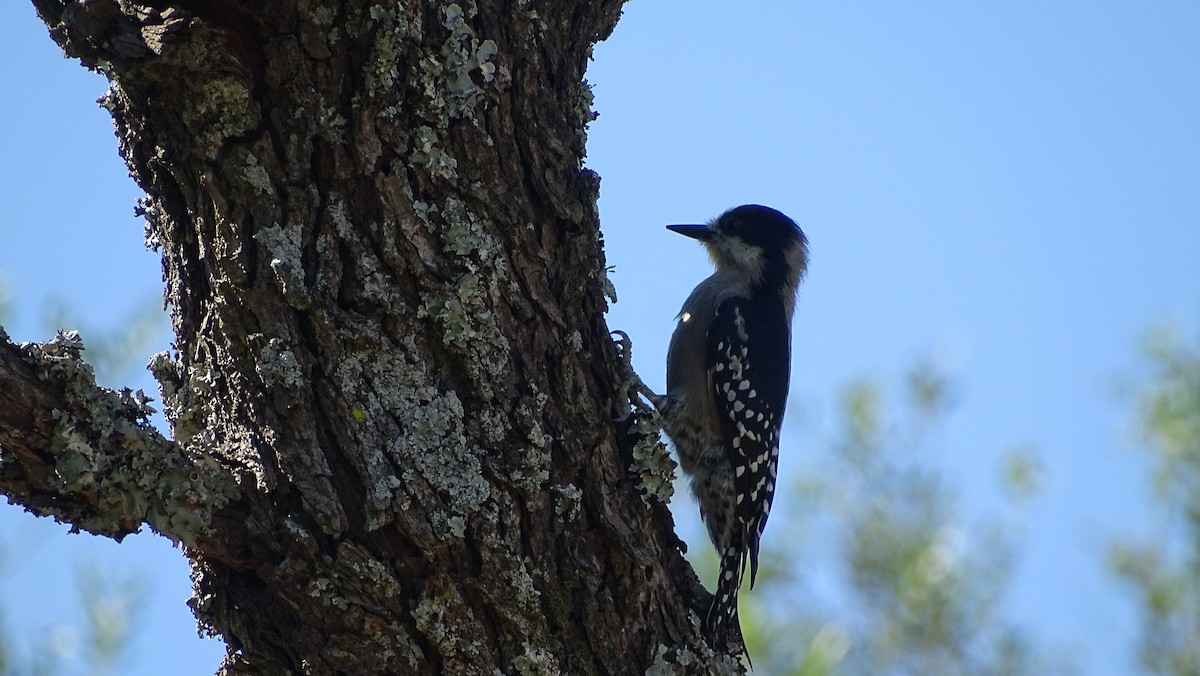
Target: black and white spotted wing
pixel 750 387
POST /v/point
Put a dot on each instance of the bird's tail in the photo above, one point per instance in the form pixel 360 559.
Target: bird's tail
pixel 722 625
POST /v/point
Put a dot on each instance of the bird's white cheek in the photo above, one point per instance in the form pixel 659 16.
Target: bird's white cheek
pixel 744 256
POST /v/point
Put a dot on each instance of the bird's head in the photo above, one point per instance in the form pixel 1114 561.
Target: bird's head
pixel 762 244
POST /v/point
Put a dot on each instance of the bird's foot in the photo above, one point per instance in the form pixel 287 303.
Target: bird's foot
pixel 631 383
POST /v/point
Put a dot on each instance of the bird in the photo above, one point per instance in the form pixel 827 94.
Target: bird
pixel 728 370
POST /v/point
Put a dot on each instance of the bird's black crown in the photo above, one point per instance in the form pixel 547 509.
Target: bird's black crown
pixel 759 226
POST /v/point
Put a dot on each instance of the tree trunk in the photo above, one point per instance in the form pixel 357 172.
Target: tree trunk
pixel 393 387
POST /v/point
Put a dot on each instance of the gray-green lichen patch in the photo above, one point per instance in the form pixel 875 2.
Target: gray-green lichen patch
pixel 490 426
pixel 341 222
pixel 673 661
pixel 568 501
pixel 428 154
pixel 191 408
pixel 660 666
pixel 457 526
pixel 325 590
pixel 684 657
pixel 435 448
pixel 464 54
pixel 651 462
pixel 360 587
pixel 461 308
pixel 330 124
pixel 283 248
pixel 256 175
pixel 533 465
pixel 465 234
pixel 105 446
pixel 278 367
pixel 324 17
pixel 375 283
pixel 484 53
pixel 575 341
pixel 448 623
pixel 583 105
pixel 405 424
pixel 536 662
pixel 392 26
pixel 521 584
pixel 217 109
pixel 188 400
pixel 450 84
pixel 469 328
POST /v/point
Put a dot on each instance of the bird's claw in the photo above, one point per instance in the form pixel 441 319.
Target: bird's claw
pixel 631 383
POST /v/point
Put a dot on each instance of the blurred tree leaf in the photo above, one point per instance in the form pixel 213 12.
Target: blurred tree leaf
pixel 1022 474
pixel 1162 568
pixel 111 606
pixel 5 299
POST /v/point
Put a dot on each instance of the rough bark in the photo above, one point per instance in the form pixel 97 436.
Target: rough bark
pixel 392 390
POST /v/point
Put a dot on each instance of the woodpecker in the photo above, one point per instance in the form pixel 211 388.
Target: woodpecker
pixel 727 383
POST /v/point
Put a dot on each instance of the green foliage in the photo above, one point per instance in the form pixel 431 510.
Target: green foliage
pixel 110 606
pixel 1163 568
pixel 5 298
pixel 1022 474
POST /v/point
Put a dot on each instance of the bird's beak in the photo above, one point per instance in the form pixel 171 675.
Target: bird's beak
pixel 700 232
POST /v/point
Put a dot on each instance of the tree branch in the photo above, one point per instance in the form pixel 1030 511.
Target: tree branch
pixel 88 456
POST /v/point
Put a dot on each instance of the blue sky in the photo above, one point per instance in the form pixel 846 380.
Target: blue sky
pixel 1012 186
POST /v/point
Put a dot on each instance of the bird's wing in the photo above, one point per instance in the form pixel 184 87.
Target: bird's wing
pixel 750 393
